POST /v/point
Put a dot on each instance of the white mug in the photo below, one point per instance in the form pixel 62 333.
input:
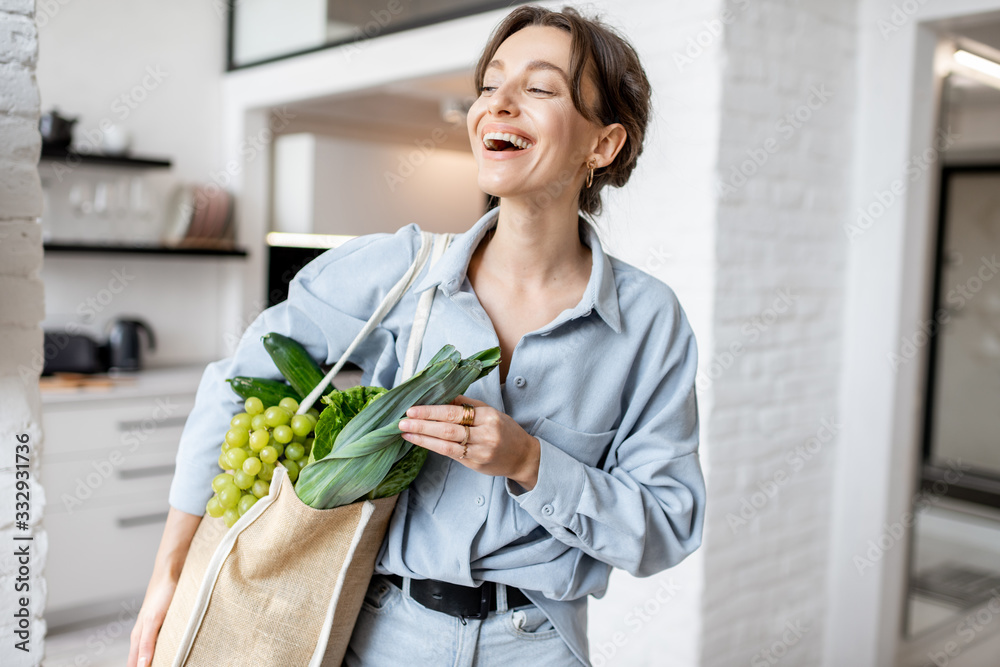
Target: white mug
pixel 115 140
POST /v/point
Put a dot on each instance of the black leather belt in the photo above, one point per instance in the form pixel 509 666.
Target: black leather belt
pixel 456 600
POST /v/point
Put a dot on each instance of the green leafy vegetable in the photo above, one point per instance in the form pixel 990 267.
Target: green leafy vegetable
pixel 343 407
pixel 351 460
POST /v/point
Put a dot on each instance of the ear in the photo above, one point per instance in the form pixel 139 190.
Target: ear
pixel 609 143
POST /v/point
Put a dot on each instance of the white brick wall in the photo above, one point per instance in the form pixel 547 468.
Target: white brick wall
pixel 787 126
pixel 760 273
pixel 663 222
pixel 21 310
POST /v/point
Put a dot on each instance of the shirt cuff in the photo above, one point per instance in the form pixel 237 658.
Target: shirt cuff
pixel 557 493
pixel 190 491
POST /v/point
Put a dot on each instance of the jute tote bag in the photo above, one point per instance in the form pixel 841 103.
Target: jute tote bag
pixel 284 585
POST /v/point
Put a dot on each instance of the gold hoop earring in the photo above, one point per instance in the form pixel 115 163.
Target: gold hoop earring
pixel 590 176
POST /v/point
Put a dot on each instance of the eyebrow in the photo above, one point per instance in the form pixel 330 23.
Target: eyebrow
pixel 534 65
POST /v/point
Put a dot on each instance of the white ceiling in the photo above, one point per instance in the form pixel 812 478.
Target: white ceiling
pixel 408 111
pixel 986 33
pixel 400 112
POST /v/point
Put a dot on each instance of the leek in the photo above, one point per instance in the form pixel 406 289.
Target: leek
pixel 352 457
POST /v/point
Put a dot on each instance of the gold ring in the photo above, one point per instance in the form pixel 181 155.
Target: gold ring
pixel 465 443
pixel 468 415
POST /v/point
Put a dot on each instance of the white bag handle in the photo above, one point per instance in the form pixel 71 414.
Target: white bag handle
pixel 423 313
pixel 390 300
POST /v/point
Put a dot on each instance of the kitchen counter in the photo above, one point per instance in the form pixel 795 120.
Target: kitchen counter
pixel 139 384
pixel 101 387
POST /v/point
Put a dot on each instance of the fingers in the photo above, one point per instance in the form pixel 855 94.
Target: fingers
pixel 452 413
pixel 439 413
pixel 133 649
pixel 448 448
pixel 147 644
pixel 142 641
pixel 438 429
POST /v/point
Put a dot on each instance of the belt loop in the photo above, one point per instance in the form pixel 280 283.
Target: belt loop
pixel 501 598
pixel 406 586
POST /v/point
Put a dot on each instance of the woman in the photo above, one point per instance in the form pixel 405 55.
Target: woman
pixel 580 453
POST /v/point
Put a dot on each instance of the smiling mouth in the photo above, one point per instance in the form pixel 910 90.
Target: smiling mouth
pixel 503 141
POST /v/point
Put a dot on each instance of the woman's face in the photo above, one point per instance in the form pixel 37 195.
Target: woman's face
pixel 526 94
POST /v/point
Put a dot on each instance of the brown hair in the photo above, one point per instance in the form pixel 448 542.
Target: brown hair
pixel 623 91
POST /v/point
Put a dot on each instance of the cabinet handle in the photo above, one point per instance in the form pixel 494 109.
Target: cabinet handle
pixel 149 471
pixel 142 520
pixel 137 424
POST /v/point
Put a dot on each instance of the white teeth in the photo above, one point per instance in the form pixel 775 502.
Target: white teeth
pixel 490 138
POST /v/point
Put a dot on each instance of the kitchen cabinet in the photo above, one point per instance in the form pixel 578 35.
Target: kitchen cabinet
pixel 106 467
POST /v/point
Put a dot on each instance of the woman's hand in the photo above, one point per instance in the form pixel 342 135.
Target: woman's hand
pixel 159 593
pixel 497 445
pixel 177 535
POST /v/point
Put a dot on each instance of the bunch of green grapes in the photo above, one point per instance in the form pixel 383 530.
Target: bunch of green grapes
pixel 257 439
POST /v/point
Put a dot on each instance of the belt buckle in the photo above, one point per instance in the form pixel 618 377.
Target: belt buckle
pixel 486 593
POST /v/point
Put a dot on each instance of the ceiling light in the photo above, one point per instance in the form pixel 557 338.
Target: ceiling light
pixel 290 240
pixel 986 71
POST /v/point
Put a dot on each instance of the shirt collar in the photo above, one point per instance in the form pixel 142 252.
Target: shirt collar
pixel 601 293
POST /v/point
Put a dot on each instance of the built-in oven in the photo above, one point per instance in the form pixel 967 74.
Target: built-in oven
pixel 288 253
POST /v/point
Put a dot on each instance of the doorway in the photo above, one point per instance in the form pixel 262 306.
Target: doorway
pixel 952 606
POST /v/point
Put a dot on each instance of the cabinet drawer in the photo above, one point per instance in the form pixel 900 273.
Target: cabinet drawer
pixel 125 425
pixel 102 553
pixel 108 477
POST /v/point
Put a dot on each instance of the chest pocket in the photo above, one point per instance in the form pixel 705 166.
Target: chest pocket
pixel 590 448
pixel 426 489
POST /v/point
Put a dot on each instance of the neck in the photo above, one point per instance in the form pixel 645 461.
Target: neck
pixel 536 247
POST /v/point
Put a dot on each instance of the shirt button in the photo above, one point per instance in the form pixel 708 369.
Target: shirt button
pixel 547 510
pixel 520 381
pixel 480 500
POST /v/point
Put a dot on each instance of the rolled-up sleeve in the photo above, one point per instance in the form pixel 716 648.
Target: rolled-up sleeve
pixel 328 303
pixel 644 510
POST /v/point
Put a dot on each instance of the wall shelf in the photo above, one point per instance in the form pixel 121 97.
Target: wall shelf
pixel 52 154
pixel 98 249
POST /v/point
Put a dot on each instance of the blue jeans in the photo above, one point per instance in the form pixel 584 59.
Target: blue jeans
pixel 393 629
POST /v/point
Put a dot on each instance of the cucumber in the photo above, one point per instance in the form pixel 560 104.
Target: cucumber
pixel 270 392
pixel 294 362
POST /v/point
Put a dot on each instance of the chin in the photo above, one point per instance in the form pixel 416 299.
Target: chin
pixel 498 188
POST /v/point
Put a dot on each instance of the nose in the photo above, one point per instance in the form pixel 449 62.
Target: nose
pixel 502 101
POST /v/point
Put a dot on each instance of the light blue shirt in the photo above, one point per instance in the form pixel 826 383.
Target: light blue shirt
pixel 607 388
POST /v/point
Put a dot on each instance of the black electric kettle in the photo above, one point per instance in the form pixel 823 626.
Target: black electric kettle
pixel 124 349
